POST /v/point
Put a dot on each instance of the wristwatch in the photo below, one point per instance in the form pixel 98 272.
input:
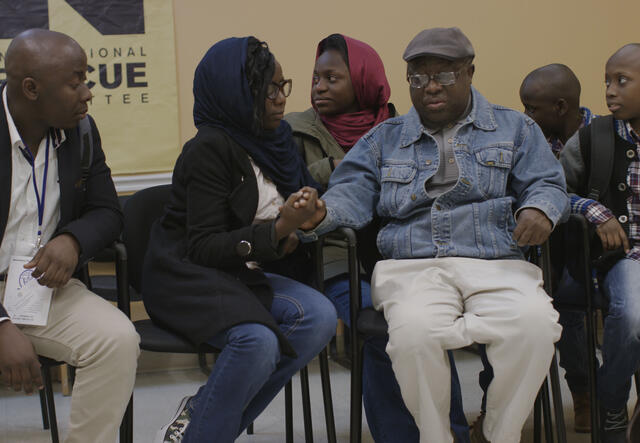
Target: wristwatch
pixel 243 248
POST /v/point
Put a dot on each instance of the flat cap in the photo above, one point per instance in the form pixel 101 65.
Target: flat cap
pixel 447 43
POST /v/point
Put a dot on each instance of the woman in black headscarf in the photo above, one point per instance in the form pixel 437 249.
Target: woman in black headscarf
pixel 232 213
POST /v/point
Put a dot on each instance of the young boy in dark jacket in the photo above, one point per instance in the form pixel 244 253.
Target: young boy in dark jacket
pixel 616 217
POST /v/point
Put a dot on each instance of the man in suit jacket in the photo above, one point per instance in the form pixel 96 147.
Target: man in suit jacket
pixel 52 212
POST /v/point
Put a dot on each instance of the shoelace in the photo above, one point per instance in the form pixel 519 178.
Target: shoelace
pixel 177 429
pixel 616 420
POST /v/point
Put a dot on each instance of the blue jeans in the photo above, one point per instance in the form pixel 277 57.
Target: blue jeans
pixel 388 418
pixel 572 345
pixel 250 370
pixel 620 341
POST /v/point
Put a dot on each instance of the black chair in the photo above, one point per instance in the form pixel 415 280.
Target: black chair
pixel 47 404
pixel 592 302
pixel 140 211
pixel 369 322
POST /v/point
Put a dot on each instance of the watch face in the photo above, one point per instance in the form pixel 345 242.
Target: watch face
pixel 243 248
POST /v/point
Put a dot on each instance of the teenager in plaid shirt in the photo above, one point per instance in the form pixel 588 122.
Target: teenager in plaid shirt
pixel 616 216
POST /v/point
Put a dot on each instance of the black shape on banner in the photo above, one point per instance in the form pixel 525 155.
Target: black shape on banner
pixel 109 17
pixel 112 17
pixel 18 16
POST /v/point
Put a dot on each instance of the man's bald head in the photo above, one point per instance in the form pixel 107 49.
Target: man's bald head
pixel 46 74
pixel 553 82
pixel 37 52
pixel 551 97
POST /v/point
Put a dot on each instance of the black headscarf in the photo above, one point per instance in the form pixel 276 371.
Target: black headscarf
pixel 223 100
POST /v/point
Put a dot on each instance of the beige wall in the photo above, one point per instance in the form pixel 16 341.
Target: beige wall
pixel 511 37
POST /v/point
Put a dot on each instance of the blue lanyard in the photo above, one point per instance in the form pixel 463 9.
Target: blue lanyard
pixel 39 199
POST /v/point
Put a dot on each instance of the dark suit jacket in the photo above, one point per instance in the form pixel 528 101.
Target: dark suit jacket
pixel 91 213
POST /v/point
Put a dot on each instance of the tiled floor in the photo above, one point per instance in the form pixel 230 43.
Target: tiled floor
pixel 157 395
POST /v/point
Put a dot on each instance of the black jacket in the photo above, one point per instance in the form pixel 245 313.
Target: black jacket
pixel 195 280
pixel 89 212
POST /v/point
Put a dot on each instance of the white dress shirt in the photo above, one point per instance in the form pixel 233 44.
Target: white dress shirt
pixel 21 232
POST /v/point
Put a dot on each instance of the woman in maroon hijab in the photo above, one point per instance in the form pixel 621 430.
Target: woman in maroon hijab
pixel 349 96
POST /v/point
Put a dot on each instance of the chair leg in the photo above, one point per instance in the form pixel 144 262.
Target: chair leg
pixel 250 429
pixel 537 419
pixel 43 409
pixel 288 412
pixel 561 431
pixel 306 405
pixel 202 361
pixel 51 407
pixel 546 412
pixel 592 374
pixel 636 379
pixel 326 396
pixel 356 391
pixel 126 426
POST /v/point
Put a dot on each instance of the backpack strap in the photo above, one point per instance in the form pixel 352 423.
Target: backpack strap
pixel 601 152
pixel 86 147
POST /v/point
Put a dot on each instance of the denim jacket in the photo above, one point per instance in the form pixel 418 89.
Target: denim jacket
pixel 505 165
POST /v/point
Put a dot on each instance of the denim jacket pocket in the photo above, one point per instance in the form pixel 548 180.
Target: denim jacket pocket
pixel 493 165
pixel 396 185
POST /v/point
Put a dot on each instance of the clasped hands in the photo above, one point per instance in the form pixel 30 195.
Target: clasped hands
pixel 303 209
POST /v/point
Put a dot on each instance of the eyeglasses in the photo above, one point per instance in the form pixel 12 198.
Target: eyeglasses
pixel 275 88
pixel 419 81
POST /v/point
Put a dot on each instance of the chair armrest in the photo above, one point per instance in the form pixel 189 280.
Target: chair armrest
pixel 582 225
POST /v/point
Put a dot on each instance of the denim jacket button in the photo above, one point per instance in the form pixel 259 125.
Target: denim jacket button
pixel 413 197
pixel 438 207
pixel 428 162
pixel 451 160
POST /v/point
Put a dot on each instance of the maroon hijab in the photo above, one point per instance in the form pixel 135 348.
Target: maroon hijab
pixel 371 90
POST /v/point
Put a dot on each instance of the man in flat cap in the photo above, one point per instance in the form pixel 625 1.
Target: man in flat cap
pixel 461 186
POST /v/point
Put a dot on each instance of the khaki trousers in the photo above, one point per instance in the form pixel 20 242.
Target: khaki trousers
pixel 96 338
pixel 433 305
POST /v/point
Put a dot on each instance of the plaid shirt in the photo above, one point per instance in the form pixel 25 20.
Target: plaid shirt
pixel 557 145
pixel 597 213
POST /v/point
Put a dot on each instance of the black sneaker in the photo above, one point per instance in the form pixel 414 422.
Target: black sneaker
pixel 173 431
pixel 614 425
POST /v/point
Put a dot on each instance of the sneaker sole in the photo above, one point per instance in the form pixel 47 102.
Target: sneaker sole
pixel 163 430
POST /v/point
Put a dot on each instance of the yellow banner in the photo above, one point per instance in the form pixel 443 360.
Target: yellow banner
pixel 132 72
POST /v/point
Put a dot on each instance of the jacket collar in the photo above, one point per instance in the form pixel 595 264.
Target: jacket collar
pixel 481 116
pixel 309 123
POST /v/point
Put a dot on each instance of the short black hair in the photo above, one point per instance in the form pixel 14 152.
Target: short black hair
pixel 259 67
pixel 337 43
